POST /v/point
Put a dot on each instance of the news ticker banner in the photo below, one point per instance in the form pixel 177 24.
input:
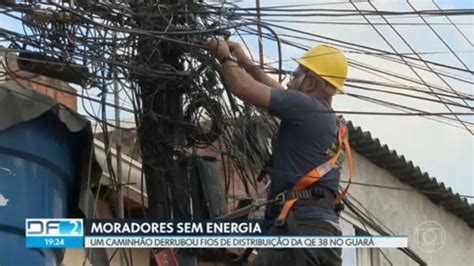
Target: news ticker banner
pixel 105 233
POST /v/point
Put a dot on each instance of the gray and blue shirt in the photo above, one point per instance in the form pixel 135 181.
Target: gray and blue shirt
pixel 307 130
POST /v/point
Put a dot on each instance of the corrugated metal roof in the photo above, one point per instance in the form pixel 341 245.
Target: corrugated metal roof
pixel 397 165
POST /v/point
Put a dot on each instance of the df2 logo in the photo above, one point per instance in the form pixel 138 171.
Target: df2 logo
pixel 54 227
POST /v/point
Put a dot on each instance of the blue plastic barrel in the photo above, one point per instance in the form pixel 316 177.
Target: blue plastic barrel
pixel 38 162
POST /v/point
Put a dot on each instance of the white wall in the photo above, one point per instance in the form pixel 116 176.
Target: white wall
pixel 403 211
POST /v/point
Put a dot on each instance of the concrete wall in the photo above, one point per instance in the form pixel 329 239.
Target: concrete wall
pixel 403 211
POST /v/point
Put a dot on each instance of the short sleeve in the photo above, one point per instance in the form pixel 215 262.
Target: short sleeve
pixel 293 105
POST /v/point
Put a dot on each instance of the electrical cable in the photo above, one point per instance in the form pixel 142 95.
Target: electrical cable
pixel 416 73
pixel 150 34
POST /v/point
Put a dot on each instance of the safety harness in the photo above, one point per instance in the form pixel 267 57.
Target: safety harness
pixel 299 191
pixel 289 198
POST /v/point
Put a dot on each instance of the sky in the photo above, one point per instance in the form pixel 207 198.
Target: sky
pixel 443 151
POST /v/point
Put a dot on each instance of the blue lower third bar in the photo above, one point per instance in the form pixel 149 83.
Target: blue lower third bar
pixel 54 242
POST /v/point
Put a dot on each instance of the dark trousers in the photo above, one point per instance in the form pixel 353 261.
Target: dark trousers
pixel 301 257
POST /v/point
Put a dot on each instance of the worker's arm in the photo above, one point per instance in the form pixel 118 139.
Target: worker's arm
pixel 254 70
pixel 239 82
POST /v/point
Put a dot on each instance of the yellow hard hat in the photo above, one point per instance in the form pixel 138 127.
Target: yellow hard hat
pixel 327 62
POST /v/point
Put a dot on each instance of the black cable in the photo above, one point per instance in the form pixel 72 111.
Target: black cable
pixel 377 226
pixel 367 47
pixel 411 96
pixel 296 5
pixel 422 191
pixel 359 23
pixel 402 107
pixel 378 54
pixel 444 102
pixel 411 48
pixel 434 87
pixel 454 24
pixel 407 88
pixel 86 40
pixel 440 38
pixel 293 12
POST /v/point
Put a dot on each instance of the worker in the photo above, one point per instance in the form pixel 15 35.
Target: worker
pixel 308 132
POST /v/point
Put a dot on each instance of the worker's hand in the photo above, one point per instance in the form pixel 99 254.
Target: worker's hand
pixel 237 51
pixel 218 48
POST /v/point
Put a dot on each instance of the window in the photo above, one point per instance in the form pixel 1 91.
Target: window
pixel 367 256
pixel 360 256
pixel 349 257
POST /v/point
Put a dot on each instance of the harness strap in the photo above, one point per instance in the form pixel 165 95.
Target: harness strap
pixel 317 173
pixel 285 210
pixel 351 172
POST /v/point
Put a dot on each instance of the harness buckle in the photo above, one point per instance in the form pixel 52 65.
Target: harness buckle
pixel 281 198
pixel 339 207
pixel 279 223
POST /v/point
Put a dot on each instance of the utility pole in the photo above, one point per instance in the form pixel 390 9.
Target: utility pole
pixel 118 148
pixel 260 38
pixel 162 106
